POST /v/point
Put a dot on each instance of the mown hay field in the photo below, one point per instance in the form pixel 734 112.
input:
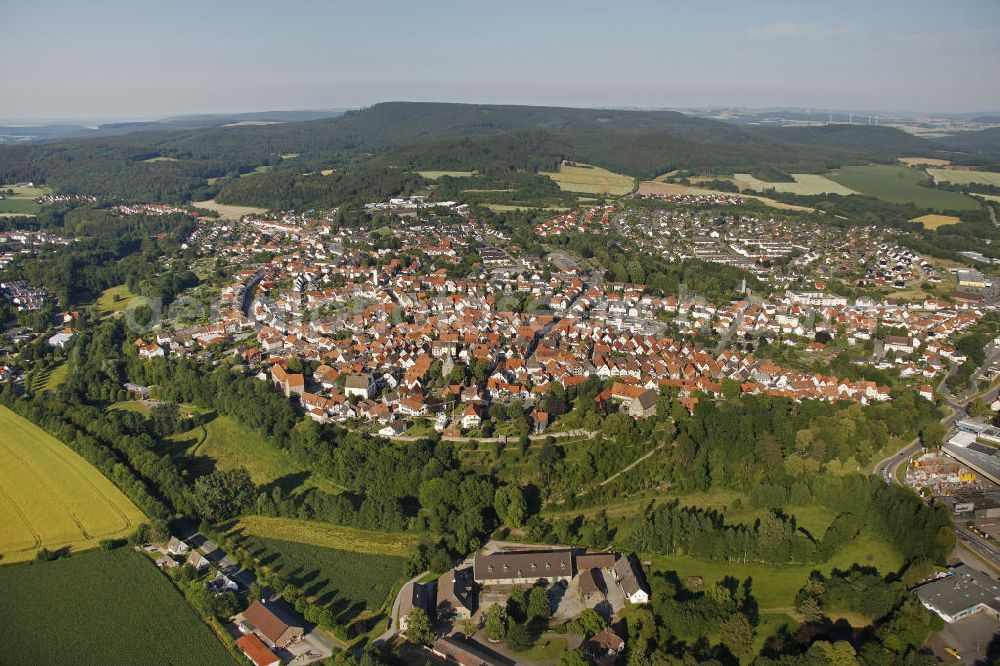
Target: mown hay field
pixel 805 183
pixel 101 608
pixel 935 221
pixel 434 175
pixel 228 211
pixel 923 161
pixel 50 497
pixel 327 535
pixel 959 177
pixel 590 180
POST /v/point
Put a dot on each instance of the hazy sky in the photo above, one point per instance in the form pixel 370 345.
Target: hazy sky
pixel 129 59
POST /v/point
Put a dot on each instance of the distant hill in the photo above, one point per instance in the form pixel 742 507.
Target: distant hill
pixel 439 136
pixel 62 132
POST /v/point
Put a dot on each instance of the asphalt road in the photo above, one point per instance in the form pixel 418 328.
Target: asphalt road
pixel 979 545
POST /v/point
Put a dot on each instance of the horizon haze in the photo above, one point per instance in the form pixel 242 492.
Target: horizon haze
pixel 117 61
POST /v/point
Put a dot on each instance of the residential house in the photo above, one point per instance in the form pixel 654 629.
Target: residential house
pixel 456 594
pixel 62 338
pixel 603 646
pixel 177 547
pixel 630 580
pixel 271 623
pixel 471 416
pixel 359 384
pixel 394 429
pixel 255 650
pixel 413 596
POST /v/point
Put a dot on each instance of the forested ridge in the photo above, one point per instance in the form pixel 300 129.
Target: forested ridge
pixel 484 137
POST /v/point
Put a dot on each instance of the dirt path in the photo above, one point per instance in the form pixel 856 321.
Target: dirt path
pixel 632 464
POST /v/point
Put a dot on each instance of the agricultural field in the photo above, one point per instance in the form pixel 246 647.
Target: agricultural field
pixel 102 608
pixel 22 202
pixel 346 583
pixel 51 497
pixel 434 175
pixel 965 177
pixel 935 221
pixel 923 161
pixel 328 535
pixel 590 180
pixel 899 184
pixel 227 211
pixel 224 443
pixel 805 183
pixel 658 187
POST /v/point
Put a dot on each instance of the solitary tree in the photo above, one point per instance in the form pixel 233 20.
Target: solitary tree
pixel 538 605
pixel 497 623
pixel 418 627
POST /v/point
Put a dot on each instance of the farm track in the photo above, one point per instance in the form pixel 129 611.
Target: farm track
pixel 52 449
pixel 24 519
pixel 55 496
pixel 57 453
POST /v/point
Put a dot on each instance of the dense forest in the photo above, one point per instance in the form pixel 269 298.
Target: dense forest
pixel 492 139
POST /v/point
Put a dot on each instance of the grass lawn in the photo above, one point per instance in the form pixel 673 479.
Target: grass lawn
pixel 590 180
pixel 51 497
pixel 228 211
pixel 935 221
pixel 327 535
pixel 102 608
pixel 347 583
pixel 115 299
pixel 224 443
pixel 776 586
pixel 900 184
pixel 53 377
pixel 965 177
pixel 805 183
pixel 813 519
pixel 545 650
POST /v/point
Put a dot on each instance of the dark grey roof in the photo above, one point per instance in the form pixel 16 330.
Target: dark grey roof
pixel 532 564
pixel 964 589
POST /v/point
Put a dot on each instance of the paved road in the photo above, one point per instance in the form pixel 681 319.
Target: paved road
pixel 727 336
pixel 977 544
pixel 393 627
pixel 886 468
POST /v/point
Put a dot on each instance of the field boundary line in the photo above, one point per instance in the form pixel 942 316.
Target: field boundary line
pixel 24 519
pixel 54 449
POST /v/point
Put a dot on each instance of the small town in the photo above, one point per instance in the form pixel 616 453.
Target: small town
pixel 569 334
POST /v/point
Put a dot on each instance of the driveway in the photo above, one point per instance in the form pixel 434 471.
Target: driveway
pixel 393 627
pixel 970 637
